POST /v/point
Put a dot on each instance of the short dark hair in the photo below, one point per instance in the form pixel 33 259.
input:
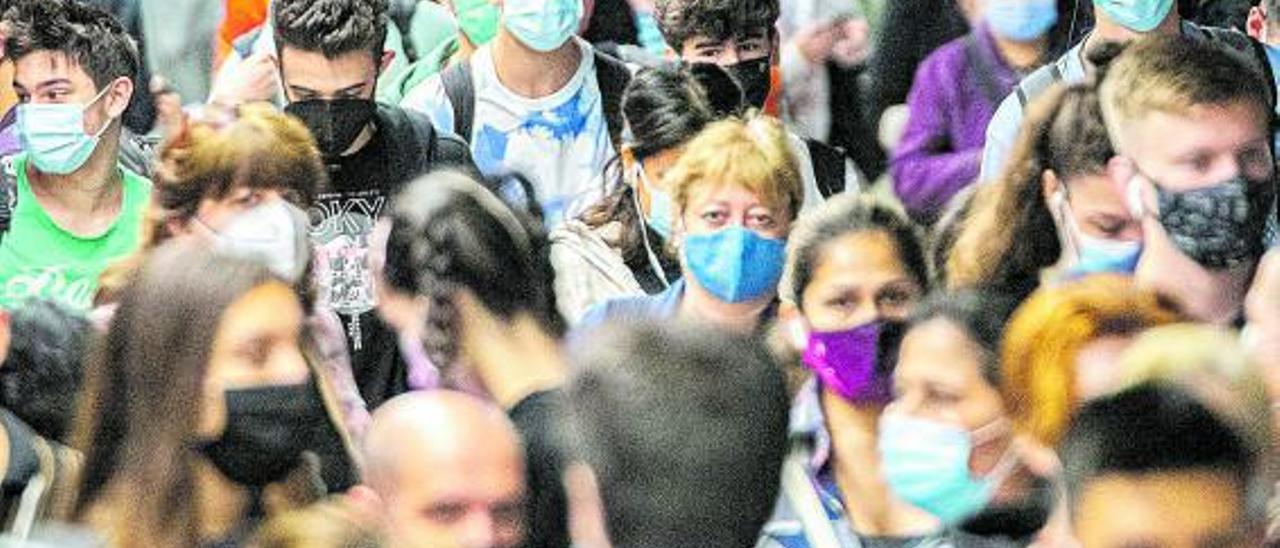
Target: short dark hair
pixel 681 20
pixel 982 315
pixel 1153 428
pixel 90 38
pixel 331 27
pixel 41 376
pixel 851 214
pixel 686 429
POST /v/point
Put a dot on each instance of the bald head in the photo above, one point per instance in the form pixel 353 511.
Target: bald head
pixel 447 466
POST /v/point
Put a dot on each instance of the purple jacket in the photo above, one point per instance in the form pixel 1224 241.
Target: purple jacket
pixel 955 94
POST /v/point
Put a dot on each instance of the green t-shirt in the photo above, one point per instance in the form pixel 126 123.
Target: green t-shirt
pixel 38 259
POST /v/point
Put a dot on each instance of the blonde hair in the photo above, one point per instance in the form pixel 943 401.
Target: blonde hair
pixel 328 524
pixel 1042 341
pixel 751 153
pixel 1209 363
pixel 1172 74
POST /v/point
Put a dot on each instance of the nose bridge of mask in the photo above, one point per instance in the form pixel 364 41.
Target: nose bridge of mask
pixel 273 232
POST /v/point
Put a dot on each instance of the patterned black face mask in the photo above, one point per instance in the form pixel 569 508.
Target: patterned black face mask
pixel 1221 226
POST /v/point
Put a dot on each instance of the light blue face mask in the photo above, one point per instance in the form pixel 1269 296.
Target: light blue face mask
pixel 1021 20
pixel 735 264
pixel 926 463
pixel 53 135
pixel 542 25
pixel 1095 255
pixel 661 215
pixel 1136 15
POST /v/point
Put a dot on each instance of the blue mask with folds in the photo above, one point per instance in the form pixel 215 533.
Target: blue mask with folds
pixel 735 264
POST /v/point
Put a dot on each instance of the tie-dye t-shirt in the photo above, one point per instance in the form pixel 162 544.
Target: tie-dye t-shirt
pixel 561 141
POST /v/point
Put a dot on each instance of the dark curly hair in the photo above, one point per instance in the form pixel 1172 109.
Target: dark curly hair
pixel 91 38
pixel 331 27
pixel 718 20
pixel 42 374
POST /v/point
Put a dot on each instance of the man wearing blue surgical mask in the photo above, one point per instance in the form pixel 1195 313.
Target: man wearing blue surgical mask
pixel 73 208
pixel 536 99
pixel 1120 21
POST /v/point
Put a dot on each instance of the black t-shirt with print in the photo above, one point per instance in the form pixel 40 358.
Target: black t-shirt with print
pixel 342 221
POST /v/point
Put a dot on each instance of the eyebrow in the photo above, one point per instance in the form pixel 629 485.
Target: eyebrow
pixel 306 90
pixel 44 84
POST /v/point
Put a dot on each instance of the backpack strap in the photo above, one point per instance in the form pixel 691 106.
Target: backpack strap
pixel 1038 82
pixel 243 46
pixel 612 76
pixel 460 88
pixel 436 149
pixel 828 167
pixel 985 72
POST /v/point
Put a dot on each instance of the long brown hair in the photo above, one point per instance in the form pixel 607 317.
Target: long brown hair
pixel 144 384
pixel 1009 235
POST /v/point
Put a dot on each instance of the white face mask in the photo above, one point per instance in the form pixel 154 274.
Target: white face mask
pixel 274 232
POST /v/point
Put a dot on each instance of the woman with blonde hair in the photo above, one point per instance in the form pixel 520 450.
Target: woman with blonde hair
pixel 736 191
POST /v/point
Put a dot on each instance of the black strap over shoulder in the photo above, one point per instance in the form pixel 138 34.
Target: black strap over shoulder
pixel 8 194
pixel 460 88
pixel 612 76
pixel 829 168
pixel 1038 82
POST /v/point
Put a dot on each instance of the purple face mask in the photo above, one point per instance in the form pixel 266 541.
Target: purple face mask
pixel 850 364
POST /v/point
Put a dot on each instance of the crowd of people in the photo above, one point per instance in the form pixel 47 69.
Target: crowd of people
pixel 639 273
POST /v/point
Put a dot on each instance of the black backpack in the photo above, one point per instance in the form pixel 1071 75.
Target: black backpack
pixel 829 167
pixel 611 75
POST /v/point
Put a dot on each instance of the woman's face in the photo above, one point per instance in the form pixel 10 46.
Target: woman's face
pixel 714 207
pixel 858 278
pixel 655 167
pixel 215 214
pixel 939 378
pixel 1099 210
pixel 258 343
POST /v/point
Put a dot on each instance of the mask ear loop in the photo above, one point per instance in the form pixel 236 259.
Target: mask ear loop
pixel 654 263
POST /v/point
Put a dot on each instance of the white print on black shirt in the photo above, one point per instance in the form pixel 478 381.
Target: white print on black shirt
pixel 341 227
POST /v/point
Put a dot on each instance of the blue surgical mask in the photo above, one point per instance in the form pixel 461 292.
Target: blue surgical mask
pixel 1094 255
pixel 926 463
pixel 1136 15
pixel 542 25
pixel 53 135
pixel 1021 20
pixel 735 264
pixel 661 215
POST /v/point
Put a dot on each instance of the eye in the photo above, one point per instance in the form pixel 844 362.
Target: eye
pixel 842 302
pixel 763 221
pixel 446 513
pixel 941 398
pixel 715 217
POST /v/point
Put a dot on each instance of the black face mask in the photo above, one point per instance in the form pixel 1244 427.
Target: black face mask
pixel 1221 226
pixel 754 78
pixel 334 123
pixel 267 430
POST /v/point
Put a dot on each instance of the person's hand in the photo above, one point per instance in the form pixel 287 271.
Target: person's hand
pixel 256 78
pixel 853 45
pixel 815 42
pixel 513 359
pixel 168 105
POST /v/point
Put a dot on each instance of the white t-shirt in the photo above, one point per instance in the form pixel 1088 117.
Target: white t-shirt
pixel 560 142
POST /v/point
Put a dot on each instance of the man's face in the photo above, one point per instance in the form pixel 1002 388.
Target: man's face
pixel 310 75
pixel 1198 149
pixel 728 52
pixel 465 497
pixel 1191 509
pixel 50 77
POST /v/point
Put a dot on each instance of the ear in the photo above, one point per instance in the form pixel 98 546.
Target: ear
pixel 5 333
pixel 628 158
pixel 1256 24
pixel 385 62
pixel 797 329
pixel 1050 185
pixel 118 97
